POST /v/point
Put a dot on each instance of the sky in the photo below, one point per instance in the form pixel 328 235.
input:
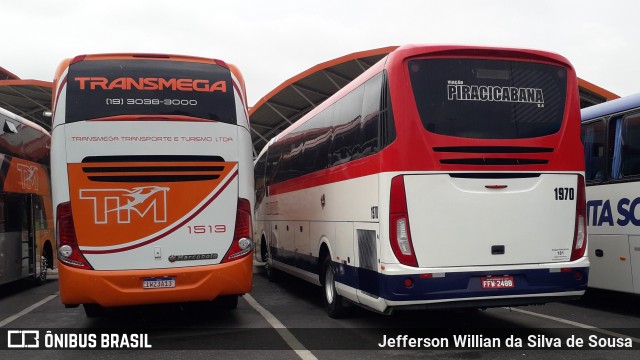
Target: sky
pixel 272 41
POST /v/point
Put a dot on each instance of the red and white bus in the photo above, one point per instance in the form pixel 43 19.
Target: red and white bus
pixel 443 176
pixel 152 180
pixel 27 245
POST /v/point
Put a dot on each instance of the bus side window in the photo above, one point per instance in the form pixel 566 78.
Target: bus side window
pixel 369 135
pixel 630 145
pixel 346 127
pixel 39 213
pixel 593 139
pixel 318 142
pixel 259 179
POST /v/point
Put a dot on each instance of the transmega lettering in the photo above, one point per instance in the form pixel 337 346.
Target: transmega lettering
pixel 457 91
pixel 601 212
pixel 127 83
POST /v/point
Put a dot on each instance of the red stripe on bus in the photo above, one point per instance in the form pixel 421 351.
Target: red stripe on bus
pixel 352 170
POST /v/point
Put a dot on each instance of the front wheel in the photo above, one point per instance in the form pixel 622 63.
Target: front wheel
pixel 334 304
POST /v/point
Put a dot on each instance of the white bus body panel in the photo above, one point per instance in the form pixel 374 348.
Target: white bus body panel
pixel 614 239
pixel 109 138
pixel 456 221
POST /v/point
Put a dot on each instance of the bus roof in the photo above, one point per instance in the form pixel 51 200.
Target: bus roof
pixel 611 107
pixel 298 95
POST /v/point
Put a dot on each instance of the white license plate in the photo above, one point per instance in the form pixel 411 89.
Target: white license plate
pixel 498 282
pixel 158 283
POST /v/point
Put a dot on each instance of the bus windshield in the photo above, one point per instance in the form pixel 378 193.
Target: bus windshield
pixel 106 88
pixel 489 99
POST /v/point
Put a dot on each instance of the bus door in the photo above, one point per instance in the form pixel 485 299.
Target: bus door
pixel 16 237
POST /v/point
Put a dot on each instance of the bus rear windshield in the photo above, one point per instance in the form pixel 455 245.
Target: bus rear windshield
pixel 106 88
pixel 489 99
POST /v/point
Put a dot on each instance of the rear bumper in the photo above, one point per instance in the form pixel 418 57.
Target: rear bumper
pixel 123 288
pixel 462 286
pixel 454 288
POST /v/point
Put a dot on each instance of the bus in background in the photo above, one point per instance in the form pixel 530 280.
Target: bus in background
pixel 443 176
pixel 26 217
pixel 152 181
pixel 611 138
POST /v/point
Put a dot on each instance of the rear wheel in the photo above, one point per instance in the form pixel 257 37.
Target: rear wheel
pixel 46 260
pixel 272 274
pixel 264 253
pixel 93 310
pixel 229 302
pixel 41 277
pixel 333 303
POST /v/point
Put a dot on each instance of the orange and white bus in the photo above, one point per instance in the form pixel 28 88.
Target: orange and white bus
pixel 26 218
pixel 152 181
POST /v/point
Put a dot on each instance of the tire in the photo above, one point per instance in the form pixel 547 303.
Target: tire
pixel 334 304
pixel 272 273
pixel 93 310
pixel 229 302
pixel 41 277
pixel 264 252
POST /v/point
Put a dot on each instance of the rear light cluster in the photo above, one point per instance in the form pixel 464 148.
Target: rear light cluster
pixel 242 243
pixel 399 230
pixel 68 251
pixel 580 233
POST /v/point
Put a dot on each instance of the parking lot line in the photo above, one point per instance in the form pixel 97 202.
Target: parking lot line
pixel 282 330
pixel 575 324
pixel 27 310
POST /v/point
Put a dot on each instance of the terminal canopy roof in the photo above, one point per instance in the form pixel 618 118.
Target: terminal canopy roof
pixel 27 98
pixel 297 96
pixel 303 92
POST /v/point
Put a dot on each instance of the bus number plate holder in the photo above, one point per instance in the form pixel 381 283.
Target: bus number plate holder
pixel 158 283
pixel 498 282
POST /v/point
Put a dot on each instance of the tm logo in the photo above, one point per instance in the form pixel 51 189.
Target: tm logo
pixel 28 176
pixel 143 201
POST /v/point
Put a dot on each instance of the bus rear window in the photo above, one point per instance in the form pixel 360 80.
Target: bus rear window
pixel 489 99
pixel 105 88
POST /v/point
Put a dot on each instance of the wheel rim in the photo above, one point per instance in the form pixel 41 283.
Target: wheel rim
pixel 329 286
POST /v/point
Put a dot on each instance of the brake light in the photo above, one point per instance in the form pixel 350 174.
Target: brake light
pixel 68 250
pixel 242 243
pixel 580 233
pixel 399 230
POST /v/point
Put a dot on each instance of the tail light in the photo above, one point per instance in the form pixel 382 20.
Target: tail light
pixel 242 243
pixel 68 250
pixel 580 233
pixel 399 230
